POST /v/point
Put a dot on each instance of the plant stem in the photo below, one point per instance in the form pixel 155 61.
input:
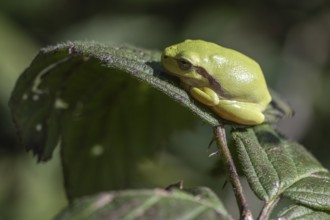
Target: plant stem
pixel 267 209
pixel 221 138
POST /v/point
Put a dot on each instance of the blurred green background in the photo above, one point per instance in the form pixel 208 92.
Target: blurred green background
pixel 290 40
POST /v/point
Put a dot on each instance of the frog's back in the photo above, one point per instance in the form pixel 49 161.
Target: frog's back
pixel 239 74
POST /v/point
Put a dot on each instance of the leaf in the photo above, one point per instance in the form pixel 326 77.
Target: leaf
pixel 312 191
pixel 147 204
pixel 68 72
pixel 275 166
pixel 297 212
pixel 89 99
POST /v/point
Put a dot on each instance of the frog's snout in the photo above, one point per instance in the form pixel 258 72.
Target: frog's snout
pixel 164 58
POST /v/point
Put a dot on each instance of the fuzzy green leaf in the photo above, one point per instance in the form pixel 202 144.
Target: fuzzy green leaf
pixel 312 191
pixel 296 212
pixel 147 204
pixel 97 102
pixel 69 72
pixel 275 166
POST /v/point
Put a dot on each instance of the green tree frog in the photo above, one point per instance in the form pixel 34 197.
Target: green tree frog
pixel 225 80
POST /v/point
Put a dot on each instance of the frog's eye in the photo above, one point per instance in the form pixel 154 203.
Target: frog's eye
pixel 184 64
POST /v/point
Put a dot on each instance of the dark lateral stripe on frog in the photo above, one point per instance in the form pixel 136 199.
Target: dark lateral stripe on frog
pixel 214 84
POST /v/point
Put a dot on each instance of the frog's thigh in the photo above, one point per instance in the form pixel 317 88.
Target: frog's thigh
pixel 240 112
pixel 205 95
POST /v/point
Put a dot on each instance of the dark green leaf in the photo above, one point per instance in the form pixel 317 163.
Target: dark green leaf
pixel 312 191
pixel 86 97
pixel 148 204
pixel 274 165
pixel 296 212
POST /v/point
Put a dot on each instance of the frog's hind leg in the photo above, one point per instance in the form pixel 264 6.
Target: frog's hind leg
pixel 240 112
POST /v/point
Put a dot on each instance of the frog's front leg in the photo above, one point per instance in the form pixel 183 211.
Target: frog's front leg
pixel 241 112
pixel 205 95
